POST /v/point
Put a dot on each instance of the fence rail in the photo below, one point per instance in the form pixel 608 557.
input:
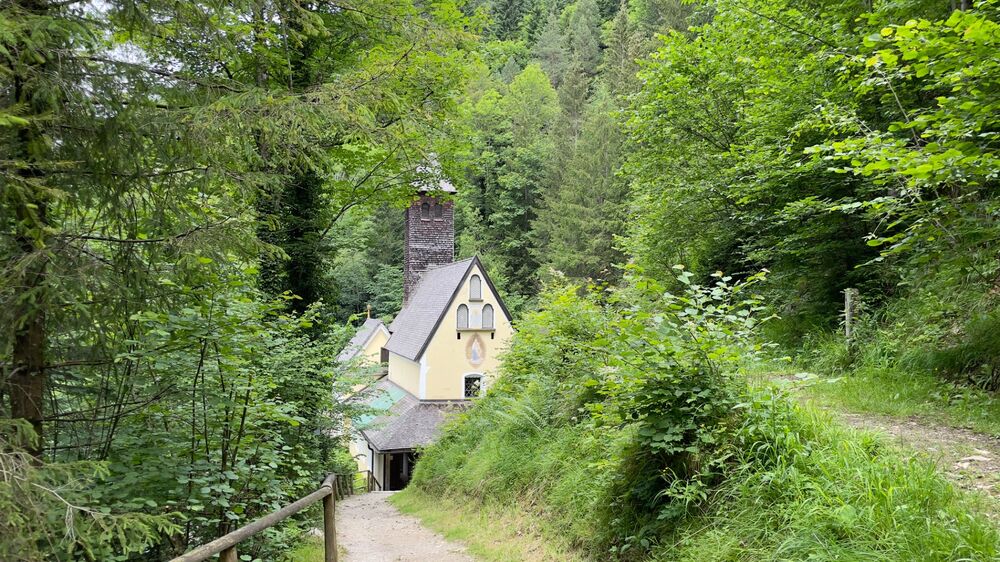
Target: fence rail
pixel 334 486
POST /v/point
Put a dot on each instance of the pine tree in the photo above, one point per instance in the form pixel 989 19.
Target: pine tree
pixel 550 50
pixel 507 16
pixel 510 70
pixel 624 48
pixel 581 215
pixel 584 36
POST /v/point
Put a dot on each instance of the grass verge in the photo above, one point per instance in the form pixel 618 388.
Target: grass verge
pixel 901 394
pixel 491 532
pixel 888 390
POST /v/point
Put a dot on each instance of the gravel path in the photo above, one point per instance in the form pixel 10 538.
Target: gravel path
pixel 370 529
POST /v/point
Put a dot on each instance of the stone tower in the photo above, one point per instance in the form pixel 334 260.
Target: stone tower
pixel 429 240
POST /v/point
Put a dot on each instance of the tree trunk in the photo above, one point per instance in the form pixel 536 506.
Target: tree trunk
pixel 27 379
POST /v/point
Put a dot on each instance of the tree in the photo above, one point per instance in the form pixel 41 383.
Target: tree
pixel 151 145
pixel 507 16
pixel 625 43
pixel 582 214
pixel 512 150
pixel 550 49
pixel 584 36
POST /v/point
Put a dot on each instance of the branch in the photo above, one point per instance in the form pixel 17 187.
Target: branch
pixel 175 237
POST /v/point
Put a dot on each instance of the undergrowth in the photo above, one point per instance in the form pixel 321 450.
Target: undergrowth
pixel 619 419
pixel 933 353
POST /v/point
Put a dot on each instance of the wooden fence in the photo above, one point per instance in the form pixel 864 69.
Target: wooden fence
pixel 334 486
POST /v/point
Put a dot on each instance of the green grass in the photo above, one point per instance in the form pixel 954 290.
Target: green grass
pixel 895 393
pixel 491 532
pixel 826 492
pixel 886 388
pixel 800 487
pixel 310 550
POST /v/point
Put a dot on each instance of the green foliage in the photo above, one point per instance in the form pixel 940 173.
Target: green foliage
pixel 803 489
pixel 174 172
pixel 581 216
pixel 52 513
pixel 618 418
pixel 834 148
pixel 636 389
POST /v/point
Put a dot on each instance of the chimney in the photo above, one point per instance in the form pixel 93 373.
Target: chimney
pixel 429 240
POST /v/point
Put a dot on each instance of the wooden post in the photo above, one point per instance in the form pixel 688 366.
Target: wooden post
pixel 330 528
pixel 228 555
pixel 850 302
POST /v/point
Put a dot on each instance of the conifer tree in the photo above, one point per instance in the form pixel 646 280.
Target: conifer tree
pixel 624 48
pixel 584 36
pixel 507 16
pixel 581 215
pixel 550 50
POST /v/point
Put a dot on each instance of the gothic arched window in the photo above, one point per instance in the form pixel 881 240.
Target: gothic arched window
pixel 438 211
pixel 425 211
pixel 463 317
pixel 473 385
pixel 475 288
pixel 488 317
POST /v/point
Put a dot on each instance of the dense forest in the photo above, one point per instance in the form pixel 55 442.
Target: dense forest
pixel 199 200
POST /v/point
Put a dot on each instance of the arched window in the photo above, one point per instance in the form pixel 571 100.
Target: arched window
pixel 475 288
pixel 473 385
pixel 463 317
pixel 438 211
pixel 425 211
pixel 488 317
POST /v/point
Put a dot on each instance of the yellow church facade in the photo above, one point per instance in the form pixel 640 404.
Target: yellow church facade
pixel 441 351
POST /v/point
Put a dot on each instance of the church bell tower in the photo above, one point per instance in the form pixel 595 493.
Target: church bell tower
pixel 429 239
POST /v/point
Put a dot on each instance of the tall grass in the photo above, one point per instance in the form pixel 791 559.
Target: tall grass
pixel 873 378
pixel 772 480
pixel 807 489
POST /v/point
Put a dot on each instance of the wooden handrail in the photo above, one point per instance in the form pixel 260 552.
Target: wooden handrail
pixel 225 546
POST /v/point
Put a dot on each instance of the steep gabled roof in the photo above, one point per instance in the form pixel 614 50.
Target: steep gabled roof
pixel 415 325
pixel 357 343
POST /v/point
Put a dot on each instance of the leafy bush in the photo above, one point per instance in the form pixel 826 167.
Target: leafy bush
pixel 973 358
pixel 619 419
pixel 635 380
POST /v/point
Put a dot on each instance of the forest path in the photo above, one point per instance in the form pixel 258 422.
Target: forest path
pixel 370 529
pixel 968 458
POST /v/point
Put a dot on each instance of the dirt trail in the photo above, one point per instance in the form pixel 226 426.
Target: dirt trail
pixel 370 529
pixel 970 459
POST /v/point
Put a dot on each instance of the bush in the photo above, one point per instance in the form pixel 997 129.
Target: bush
pixel 620 420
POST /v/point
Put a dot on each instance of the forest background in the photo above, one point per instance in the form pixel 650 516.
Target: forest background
pixel 199 199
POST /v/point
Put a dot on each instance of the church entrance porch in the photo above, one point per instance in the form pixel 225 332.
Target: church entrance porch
pixel 398 469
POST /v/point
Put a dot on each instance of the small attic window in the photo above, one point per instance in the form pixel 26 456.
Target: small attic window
pixel 475 288
pixel 473 385
pixel 438 211
pixel 488 317
pixel 425 211
pixel 462 317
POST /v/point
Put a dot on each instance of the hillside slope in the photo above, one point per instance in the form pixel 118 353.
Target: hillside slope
pixel 620 423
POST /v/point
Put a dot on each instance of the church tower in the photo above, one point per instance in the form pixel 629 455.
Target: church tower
pixel 429 238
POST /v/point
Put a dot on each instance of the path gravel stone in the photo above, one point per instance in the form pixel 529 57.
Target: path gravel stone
pixel 370 529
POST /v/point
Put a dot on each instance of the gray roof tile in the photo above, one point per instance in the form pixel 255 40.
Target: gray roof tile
pixel 415 324
pixel 354 346
pixel 409 423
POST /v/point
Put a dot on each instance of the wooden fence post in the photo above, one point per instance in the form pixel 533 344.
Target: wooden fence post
pixel 850 303
pixel 330 525
pixel 228 555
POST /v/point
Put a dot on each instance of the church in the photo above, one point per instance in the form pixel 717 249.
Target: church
pixel 439 352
